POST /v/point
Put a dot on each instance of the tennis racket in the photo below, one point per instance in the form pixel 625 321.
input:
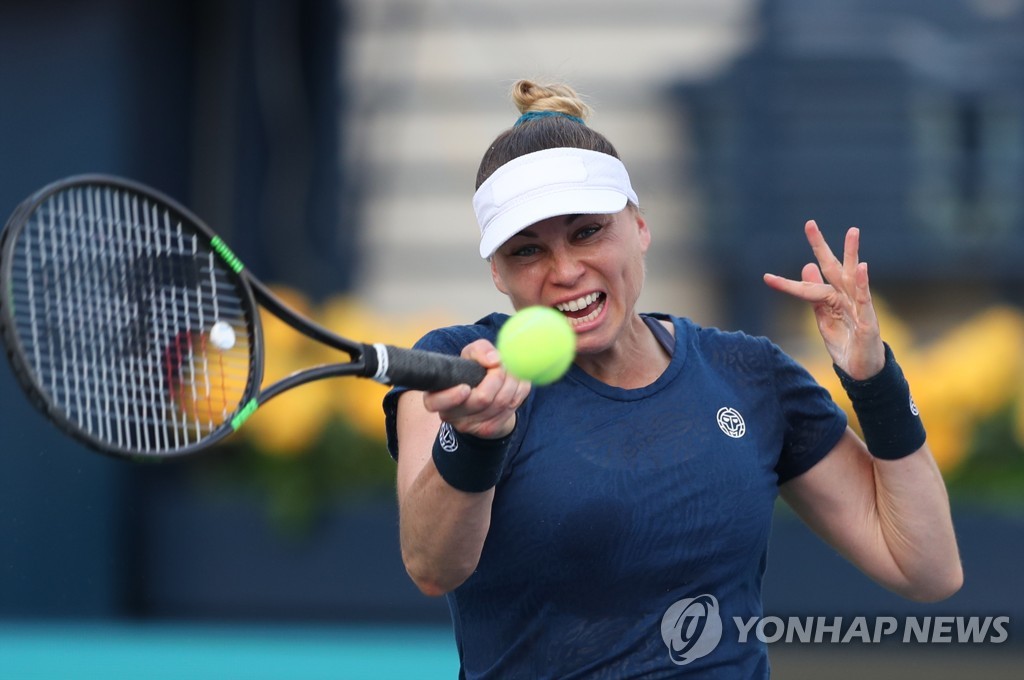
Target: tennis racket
pixel 134 328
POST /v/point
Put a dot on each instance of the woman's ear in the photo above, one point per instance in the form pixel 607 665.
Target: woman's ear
pixel 645 233
pixel 496 277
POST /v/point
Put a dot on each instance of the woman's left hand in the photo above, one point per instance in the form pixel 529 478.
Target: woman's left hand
pixel 839 293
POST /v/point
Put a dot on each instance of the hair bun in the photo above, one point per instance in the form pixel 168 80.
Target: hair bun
pixel 530 96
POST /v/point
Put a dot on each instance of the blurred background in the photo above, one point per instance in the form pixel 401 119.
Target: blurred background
pixel 334 145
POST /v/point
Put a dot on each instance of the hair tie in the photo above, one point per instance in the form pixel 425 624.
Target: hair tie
pixel 530 115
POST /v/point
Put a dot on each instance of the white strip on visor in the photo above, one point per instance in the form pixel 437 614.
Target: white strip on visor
pixel 546 184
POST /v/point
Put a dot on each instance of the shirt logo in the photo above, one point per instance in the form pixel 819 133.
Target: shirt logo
pixel 731 422
pixel 691 628
pixel 447 439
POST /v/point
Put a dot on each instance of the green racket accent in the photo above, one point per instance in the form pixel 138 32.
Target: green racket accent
pixel 244 414
pixel 222 249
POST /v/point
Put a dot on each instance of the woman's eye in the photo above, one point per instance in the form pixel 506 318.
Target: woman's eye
pixel 587 232
pixel 524 251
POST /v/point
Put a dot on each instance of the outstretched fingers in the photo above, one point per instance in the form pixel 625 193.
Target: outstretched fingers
pixel 810 288
pixel 831 268
pixel 862 297
pixel 855 283
pixel 840 294
pixel 830 276
pixel 851 253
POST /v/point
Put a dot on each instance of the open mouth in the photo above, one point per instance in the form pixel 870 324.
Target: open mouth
pixel 582 309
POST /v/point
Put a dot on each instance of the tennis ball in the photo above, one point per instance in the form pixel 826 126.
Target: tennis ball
pixel 222 335
pixel 537 344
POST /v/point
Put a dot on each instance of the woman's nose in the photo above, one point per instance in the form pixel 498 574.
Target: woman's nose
pixel 566 269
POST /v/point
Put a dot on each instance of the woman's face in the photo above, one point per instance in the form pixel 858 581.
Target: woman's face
pixel 590 267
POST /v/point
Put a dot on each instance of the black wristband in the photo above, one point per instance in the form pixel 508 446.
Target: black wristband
pixel 887 414
pixel 469 463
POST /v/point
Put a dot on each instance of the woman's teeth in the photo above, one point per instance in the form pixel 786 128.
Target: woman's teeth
pixel 568 308
pixel 578 304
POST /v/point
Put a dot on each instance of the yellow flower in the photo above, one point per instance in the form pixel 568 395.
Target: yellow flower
pixel 359 400
pixel 288 424
pixel 979 361
pixel 210 385
pixel 894 330
pixel 961 379
pixel 948 438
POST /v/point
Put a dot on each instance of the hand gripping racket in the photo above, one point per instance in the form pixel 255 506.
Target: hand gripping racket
pixel 136 330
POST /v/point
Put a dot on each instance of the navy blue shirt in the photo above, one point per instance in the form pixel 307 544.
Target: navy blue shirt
pixel 617 506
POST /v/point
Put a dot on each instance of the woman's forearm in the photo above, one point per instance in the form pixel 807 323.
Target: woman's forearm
pixel 442 531
pixel 915 521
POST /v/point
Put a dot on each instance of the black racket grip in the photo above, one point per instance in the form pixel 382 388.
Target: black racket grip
pixel 422 370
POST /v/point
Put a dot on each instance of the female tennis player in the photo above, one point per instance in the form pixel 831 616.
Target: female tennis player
pixel 614 523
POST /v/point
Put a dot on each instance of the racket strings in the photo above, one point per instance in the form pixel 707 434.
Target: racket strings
pixel 113 301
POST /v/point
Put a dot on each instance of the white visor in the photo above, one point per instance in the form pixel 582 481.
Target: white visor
pixel 546 184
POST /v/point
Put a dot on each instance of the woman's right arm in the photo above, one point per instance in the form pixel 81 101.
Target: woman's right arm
pixel 442 528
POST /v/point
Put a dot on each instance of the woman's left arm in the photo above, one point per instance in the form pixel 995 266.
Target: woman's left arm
pixel 889 517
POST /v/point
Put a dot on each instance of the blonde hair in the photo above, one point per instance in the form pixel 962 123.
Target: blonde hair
pixel 549 132
pixel 529 96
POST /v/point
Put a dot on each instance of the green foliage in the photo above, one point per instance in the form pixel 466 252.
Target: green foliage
pixel 340 464
pixel 993 471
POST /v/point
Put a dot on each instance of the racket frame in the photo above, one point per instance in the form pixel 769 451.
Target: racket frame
pixel 364 359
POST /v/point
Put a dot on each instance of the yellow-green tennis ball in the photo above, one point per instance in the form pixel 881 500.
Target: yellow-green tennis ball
pixel 537 344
